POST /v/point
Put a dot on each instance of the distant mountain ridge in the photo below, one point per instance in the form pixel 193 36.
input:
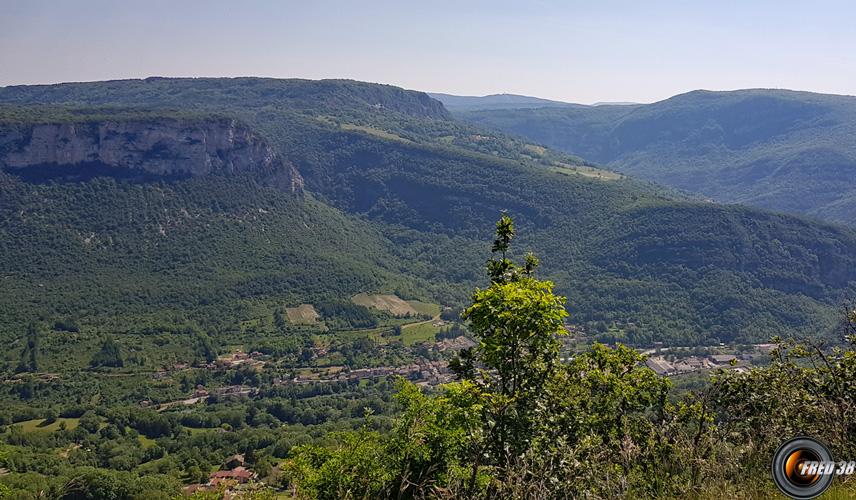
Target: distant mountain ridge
pixel 508 101
pixel 778 149
pixel 296 94
pixel 495 101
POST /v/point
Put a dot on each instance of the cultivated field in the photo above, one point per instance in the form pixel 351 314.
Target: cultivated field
pixel 390 303
pixel 38 425
pixel 426 308
pixel 596 173
pixel 304 314
pixel 418 332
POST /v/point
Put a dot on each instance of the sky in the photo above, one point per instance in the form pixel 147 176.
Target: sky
pixel 577 51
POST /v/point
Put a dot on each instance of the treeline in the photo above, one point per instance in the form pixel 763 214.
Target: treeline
pixel 339 314
pixel 138 445
pixel 104 267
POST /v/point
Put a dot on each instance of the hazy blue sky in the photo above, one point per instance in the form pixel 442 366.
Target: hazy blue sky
pixel 597 50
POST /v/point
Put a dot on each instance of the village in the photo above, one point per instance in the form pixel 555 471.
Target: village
pixel 234 478
pixel 667 361
pixel 663 360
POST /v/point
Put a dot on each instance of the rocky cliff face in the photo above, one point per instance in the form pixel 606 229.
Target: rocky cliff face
pixel 161 147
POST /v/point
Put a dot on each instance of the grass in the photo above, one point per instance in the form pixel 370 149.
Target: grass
pixel 594 173
pixel 425 307
pixel 323 371
pixel 199 430
pixel 383 134
pixel 390 303
pixel 146 442
pixel 420 332
pixel 304 314
pixel 35 425
pixel 537 150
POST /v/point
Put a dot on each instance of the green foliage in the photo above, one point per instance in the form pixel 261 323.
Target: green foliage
pixel 807 386
pixel 602 426
pixel 345 315
pixel 516 321
pixel 102 485
pixel 66 325
pixel 420 455
pixel 108 356
pixel 160 295
pixel 205 350
pixel 519 424
pixel 398 198
pixel 356 468
pixel 30 354
pixel 775 149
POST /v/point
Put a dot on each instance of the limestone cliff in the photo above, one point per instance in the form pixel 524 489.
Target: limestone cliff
pixel 150 147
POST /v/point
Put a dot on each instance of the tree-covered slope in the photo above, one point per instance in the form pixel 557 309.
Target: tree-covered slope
pixel 403 200
pixel 623 252
pixel 116 256
pixel 783 150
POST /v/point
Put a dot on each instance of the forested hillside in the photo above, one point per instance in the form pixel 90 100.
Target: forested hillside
pixel 411 193
pixel 776 149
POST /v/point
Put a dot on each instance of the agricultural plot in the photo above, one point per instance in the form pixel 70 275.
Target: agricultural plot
pixel 426 308
pixel 595 173
pixel 304 314
pixel 390 303
pixel 419 332
pixel 39 425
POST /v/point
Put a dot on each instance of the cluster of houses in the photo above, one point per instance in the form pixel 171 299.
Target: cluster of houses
pixel 423 372
pixel 201 394
pixel 231 479
pixel 455 344
pixel 239 359
pixel 663 366
pixel 667 361
pixel 254 360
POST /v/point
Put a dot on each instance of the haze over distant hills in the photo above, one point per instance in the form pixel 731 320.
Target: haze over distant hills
pixel 495 101
pixel 508 101
pixel 778 149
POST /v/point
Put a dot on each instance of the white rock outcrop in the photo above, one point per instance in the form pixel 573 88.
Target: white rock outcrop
pixel 160 146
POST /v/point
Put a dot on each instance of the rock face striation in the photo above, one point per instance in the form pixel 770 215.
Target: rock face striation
pixel 146 148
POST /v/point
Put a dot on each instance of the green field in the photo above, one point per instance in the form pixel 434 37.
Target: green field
pixel 594 173
pixel 35 425
pixel 145 441
pixel 383 134
pixel 419 332
pixel 426 308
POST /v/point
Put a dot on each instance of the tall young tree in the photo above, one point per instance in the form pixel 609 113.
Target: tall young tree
pixel 30 354
pixel 517 321
pixel 109 355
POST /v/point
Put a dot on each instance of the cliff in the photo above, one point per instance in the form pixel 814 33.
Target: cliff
pixel 142 148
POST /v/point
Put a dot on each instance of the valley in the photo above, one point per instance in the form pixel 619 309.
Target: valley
pixel 775 149
pixel 198 268
pixel 341 251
